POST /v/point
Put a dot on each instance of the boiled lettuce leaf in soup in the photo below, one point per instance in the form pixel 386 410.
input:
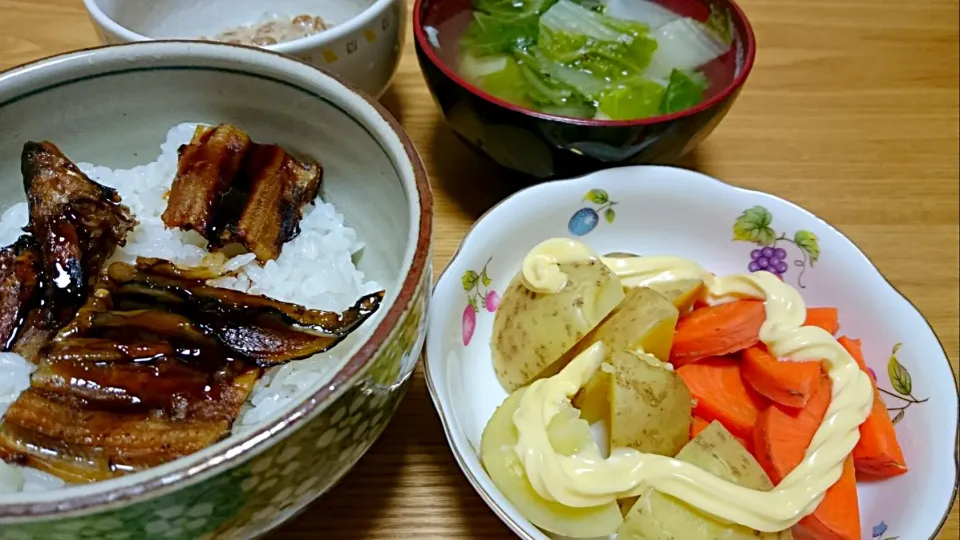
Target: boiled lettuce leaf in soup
pixel 571 59
pixel 518 79
pixel 498 75
pixel 684 44
pixel 492 34
pixel 584 83
pixel 600 6
pixel 558 89
pixel 543 91
pixel 720 22
pixel 647 12
pixel 684 90
pixel 584 39
pixel 502 26
pixel 639 99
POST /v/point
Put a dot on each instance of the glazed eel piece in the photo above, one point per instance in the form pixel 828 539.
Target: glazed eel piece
pixel 53 427
pixel 232 190
pixel 76 224
pixel 206 168
pixel 123 390
pixel 266 331
pixel 21 283
pixel 156 366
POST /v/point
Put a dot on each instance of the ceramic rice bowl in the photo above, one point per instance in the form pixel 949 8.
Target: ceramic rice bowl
pixel 113 106
pixel 650 210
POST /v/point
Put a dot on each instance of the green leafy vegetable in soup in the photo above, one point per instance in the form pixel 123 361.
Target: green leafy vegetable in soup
pixel 573 58
pixel 684 91
pixel 492 34
pixel 628 102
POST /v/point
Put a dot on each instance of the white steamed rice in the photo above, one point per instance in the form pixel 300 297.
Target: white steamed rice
pixel 315 270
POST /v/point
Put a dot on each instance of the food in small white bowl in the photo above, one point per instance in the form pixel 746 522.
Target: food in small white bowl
pixel 360 40
pixel 647 352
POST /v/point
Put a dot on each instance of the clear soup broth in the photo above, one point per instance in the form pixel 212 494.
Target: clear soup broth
pixel 592 59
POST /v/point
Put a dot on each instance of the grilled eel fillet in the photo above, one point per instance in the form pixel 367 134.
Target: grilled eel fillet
pixel 156 366
pixel 232 190
pixel 76 225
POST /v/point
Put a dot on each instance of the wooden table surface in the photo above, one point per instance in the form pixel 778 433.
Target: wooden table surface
pixel 851 112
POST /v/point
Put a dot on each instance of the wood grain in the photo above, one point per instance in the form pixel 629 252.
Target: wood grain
pixel 851 112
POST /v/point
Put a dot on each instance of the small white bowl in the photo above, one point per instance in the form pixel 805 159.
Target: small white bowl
pixel 363 46
pixel 668 211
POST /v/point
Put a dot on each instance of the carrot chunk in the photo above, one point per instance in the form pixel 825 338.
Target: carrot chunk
pixel 787 383
pixel 853 346
pixel 838 516
pixel 783 434
pixel 824 317
pixel 717 330
pixel 721 394
pixel 699 424
pixel 878 453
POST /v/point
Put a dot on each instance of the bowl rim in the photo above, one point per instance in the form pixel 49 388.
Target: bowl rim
pixel 245 445
pixel 350 26
pixel 750 47
pixel 439 402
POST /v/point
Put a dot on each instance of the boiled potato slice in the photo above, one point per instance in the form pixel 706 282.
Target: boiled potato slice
pixel 646 405
pixel 682 293
pixel 568 434
pixel 645 321
pixel 531 332
pixel 662 517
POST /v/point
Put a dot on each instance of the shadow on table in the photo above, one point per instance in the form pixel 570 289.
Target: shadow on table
pixel 391 101
pixel 692 161
pixel 475 182
pixel 408 484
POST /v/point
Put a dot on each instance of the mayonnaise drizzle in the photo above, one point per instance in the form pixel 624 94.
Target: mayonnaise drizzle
pixel 540 269
pixel 588 479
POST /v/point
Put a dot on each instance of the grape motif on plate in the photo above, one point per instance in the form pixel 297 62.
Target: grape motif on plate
pixel 771 255
pixel 770 259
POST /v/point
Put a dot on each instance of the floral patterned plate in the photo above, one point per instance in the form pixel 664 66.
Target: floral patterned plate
pixel 662 210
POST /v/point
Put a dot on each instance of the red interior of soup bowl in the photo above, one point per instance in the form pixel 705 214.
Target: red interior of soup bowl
pixel 448 19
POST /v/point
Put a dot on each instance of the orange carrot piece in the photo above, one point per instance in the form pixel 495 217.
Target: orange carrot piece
pixel 878 453
pixel 721 394
pixel 745 442
pixel 783 434
pixel 699 424
pixel 853 346
pixel 824 317
pixel 838 516
pixel 717 330
pixel 787 383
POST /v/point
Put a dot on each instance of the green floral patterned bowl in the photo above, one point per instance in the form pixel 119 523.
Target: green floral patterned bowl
pixel 113 106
